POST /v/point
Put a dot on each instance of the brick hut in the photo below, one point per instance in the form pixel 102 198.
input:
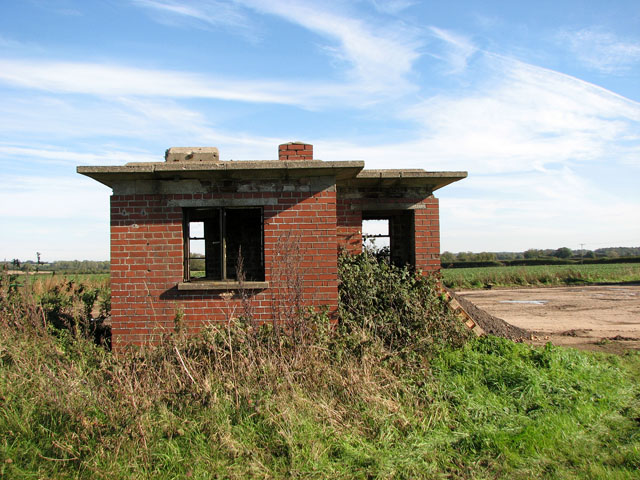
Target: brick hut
pixel 180 229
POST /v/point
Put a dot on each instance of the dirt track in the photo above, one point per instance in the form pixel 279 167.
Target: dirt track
pixel 602 318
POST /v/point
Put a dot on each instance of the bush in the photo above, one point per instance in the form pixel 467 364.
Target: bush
pixel 398 308
pixel 57 303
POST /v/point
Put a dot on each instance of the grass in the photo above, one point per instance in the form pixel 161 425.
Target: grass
pixel 493 409
pixel 538 275
pixel 354 401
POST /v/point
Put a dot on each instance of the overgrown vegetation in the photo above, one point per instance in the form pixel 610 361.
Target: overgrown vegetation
pixel 395 390
pixel 538 275
pixel 77 303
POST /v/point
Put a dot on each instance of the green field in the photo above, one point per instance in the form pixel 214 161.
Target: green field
pixel 538 275
pixel 47 279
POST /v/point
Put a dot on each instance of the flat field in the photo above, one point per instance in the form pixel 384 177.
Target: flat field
pixel 539 275
pixel 601 318
pixel 51 278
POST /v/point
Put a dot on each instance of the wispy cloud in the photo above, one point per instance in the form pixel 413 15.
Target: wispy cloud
pixel 379 56
pixel 71 118
pixel 602 50
pixel 523 117
pixel 200 14
pixel 532 141
pixel 458 49
pixel 113 80
pixel 117 80
pixel 52 154
pixel 11 46
pixel 6 42
pixel 392 6
pixel 537 210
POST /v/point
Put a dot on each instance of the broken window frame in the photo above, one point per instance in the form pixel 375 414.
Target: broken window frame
pixel 401 246
pixel 381 251
pixel 226 234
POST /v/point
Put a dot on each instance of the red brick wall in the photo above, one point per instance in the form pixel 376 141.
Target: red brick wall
pixel 349 227
pixel 295 151
pixel 147 263
pixel 427 236
pixel 426 227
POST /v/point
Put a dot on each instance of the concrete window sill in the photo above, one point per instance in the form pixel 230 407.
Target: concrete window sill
pixel 216 285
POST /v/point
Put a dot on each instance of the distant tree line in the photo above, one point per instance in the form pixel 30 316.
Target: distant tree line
pixel 62 266
pixel 539 255
pixel 532 256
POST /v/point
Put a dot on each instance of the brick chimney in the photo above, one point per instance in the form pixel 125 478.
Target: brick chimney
pixel 295 151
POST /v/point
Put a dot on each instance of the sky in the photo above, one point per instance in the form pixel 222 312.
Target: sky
pixel 538 101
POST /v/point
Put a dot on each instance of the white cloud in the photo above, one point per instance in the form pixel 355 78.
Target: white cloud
pixel 64 119
pixel 380 56
pixel 536 210
pixel 55 155
pixel 548 156
pixel 6 42
pixel 458 49
pixel 378 61
pixel 392 6
pixel 117 80
pixel 523 117
pixel 601 50
pixel 50 197
pixel 201 13
pixel 114 131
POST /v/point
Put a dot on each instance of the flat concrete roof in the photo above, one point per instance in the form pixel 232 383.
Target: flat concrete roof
pixel 232 170
pixel 403 178
pixel 348 173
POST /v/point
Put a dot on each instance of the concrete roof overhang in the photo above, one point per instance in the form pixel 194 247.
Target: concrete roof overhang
pixel 347 173
pixel 409 178
pixel 224 170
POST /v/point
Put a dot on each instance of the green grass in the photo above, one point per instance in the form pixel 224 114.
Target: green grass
pixel 493 409
pixel 540 275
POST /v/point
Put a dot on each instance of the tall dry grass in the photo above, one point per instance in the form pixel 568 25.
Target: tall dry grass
pixel 77 406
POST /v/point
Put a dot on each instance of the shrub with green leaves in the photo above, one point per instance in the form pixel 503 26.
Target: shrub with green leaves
pixel 400 308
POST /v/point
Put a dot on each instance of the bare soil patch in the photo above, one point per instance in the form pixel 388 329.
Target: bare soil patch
pixel 602 318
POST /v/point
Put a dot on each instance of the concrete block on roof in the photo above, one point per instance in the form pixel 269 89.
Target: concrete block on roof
pixel 192 154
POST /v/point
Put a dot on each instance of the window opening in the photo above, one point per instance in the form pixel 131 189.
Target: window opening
pixel 376 237
pixel 196 249
pixel 215 238
pixel 390 235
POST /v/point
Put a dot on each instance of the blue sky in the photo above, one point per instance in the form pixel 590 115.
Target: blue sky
pixel 538 101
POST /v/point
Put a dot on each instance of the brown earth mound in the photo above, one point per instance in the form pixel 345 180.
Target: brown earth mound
pixel 602 318
pixel 490 324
